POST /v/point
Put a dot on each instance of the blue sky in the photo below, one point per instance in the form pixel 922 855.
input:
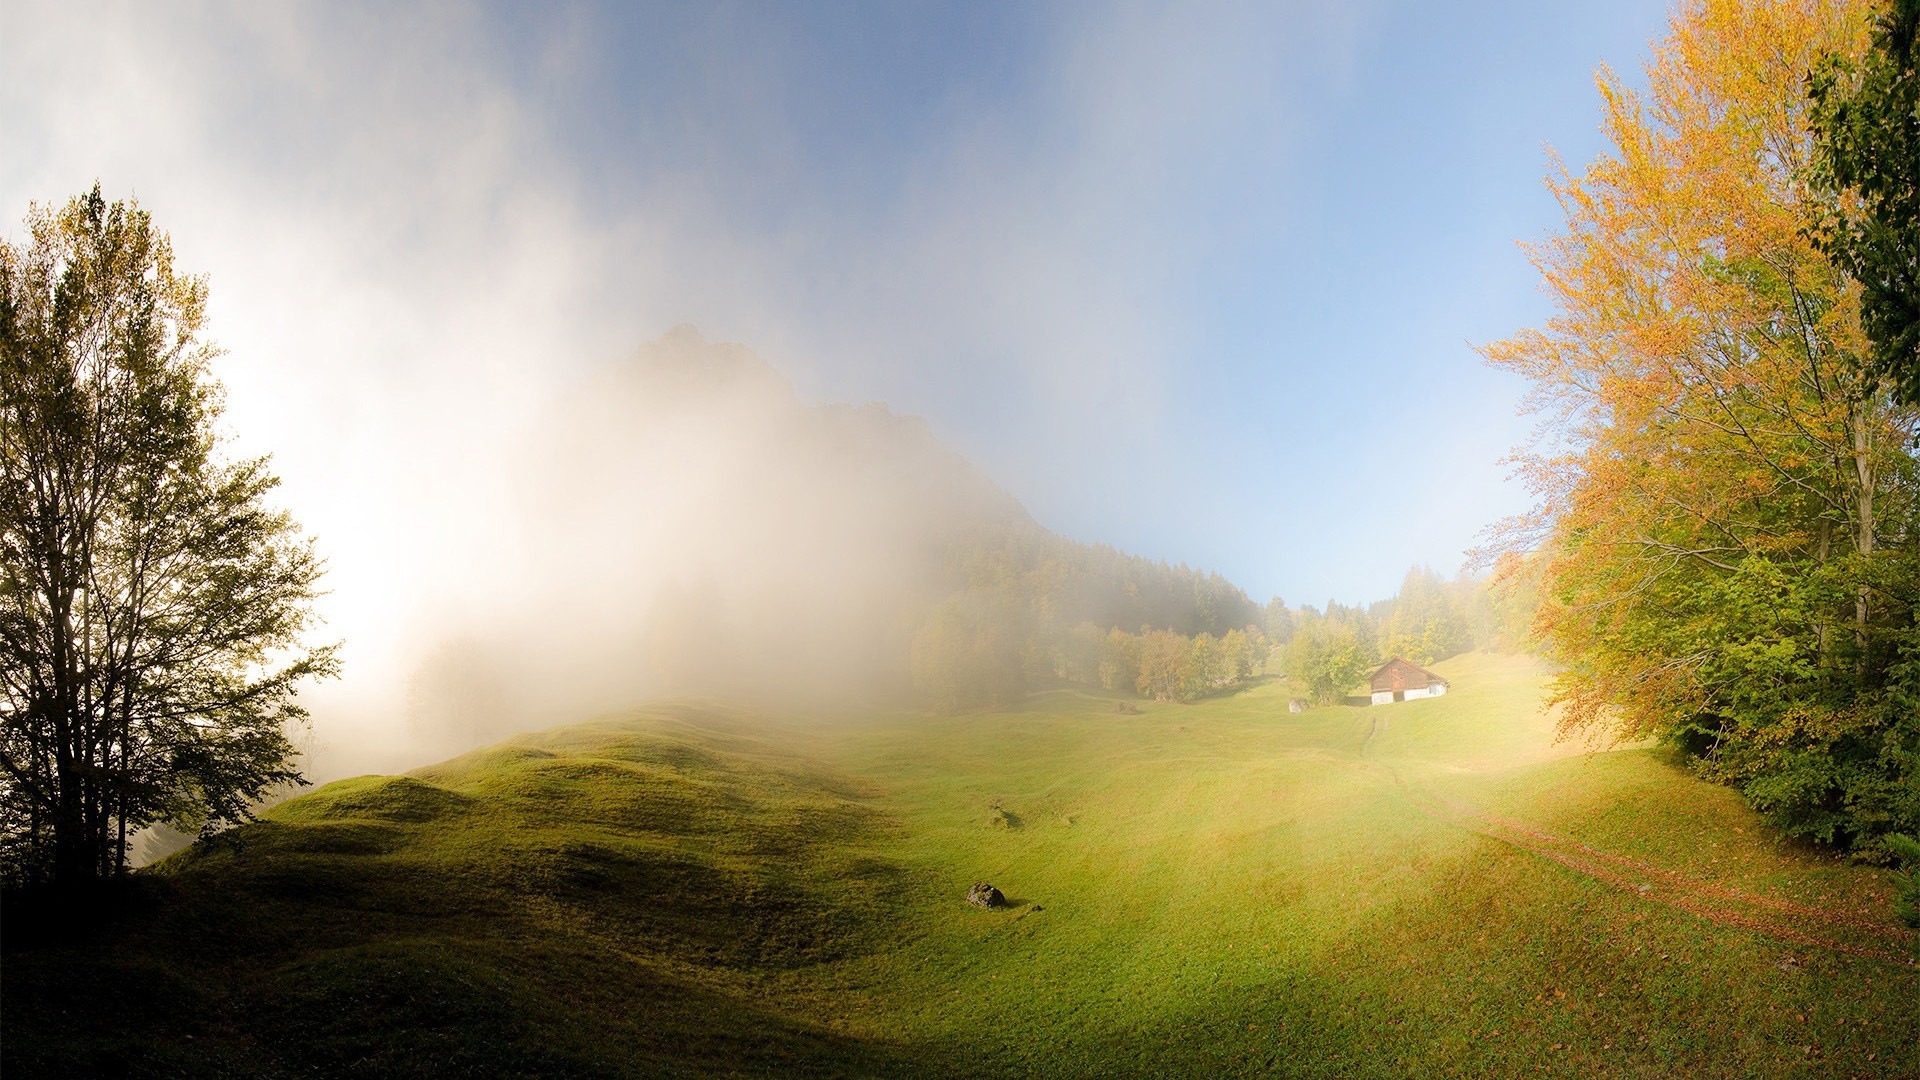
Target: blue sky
pixel 1197 281
pixel 1284 226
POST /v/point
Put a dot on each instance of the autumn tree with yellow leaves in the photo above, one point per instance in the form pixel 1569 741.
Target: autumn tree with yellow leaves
pixel 1727 527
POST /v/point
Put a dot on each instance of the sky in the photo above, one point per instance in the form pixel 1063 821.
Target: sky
pixel 1201 281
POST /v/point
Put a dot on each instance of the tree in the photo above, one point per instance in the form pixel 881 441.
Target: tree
pixel 151 604
pixel 1728 534
pixel 1119 661
pixel 1241 651
pixel 1511 595
pixel 1204 667
pixel 1082 653
pixel 944 668
pixel 1328 656
pixel 1165 661
pixel 972 649
pixel 1425 625
pixel 1279 624
pixel 1866 162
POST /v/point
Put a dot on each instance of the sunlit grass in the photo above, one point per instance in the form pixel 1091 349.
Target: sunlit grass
pixel 1217 888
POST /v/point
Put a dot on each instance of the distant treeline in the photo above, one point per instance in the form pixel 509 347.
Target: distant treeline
pixel 1066 582
pixel 1329 650
pixel 1031 610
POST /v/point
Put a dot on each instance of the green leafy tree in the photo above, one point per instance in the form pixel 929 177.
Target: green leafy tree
pixel 1328 656
pixel 1866 158
pixel 152 605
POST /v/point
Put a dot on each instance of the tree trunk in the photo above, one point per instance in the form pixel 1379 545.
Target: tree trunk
pixel 1864 476
pixel 1820 617
pixel 73 852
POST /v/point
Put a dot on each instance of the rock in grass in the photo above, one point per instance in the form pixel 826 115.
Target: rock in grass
pixel 985 896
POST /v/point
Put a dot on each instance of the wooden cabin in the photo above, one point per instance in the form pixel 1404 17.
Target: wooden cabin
pixel 1404 680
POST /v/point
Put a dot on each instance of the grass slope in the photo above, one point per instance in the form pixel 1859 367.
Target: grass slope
pixel 1428 888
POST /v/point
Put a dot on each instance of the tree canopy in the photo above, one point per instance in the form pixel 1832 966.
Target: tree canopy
pixel 1866 164
pixel 1727 539
pixel 152 604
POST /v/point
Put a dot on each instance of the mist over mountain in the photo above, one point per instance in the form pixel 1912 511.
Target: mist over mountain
pixel 686 525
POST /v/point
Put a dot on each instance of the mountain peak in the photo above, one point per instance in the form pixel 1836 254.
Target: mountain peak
pixel 683 364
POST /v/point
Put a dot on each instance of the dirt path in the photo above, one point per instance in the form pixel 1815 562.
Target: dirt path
pixel 1782 920
pixel 1379 725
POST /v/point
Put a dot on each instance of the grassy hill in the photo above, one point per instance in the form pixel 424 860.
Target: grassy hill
pixel 1428 888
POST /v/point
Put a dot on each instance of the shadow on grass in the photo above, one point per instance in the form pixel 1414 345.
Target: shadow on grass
pixel 1235 690
pixel 605 911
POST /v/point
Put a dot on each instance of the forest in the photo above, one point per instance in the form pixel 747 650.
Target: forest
pixel 1039 611
pixel 1726 535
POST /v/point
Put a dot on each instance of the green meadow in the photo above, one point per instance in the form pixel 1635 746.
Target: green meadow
pixel 1428 888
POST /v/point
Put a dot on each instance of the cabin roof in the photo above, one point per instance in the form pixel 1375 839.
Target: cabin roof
pixel 1400 674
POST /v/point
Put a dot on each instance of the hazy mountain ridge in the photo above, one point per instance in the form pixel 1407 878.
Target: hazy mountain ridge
pixel 712 533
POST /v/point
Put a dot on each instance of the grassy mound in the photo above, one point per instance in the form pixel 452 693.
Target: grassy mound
pixel 1426 888
pixel 626 897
